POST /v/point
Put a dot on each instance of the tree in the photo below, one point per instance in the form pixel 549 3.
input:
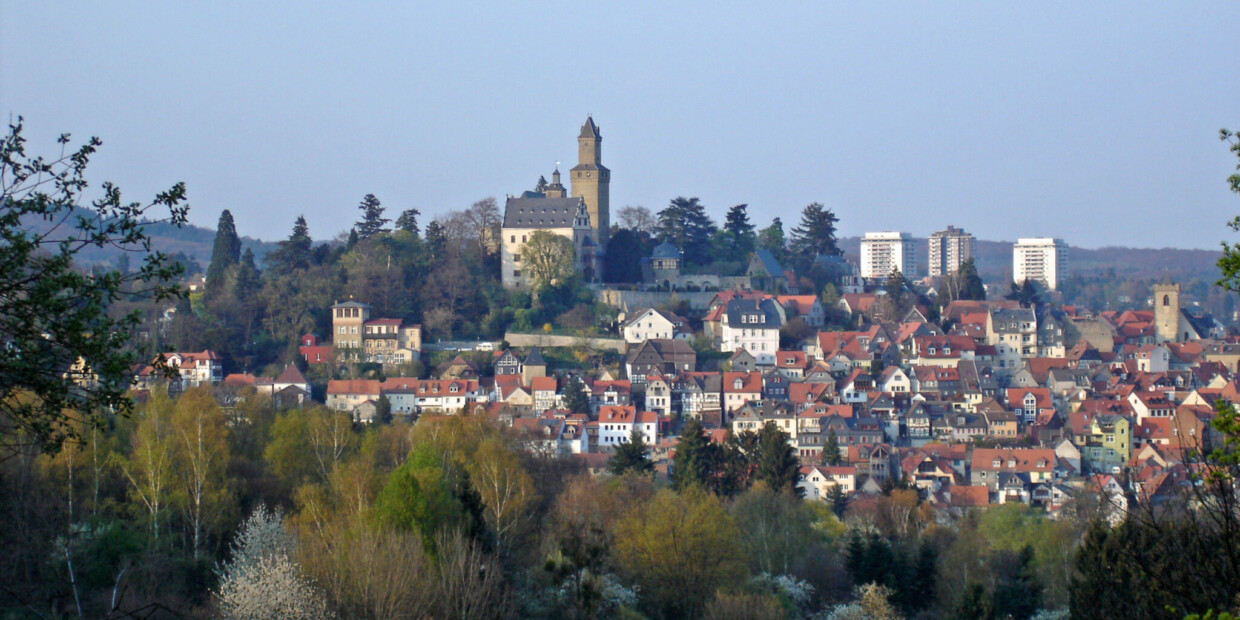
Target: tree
pixel 691 466
pixel 224 254
pixel 383 410
pixel 631 457
pixel 684 224
pixel 680 548
pixel 1017 593
pixel 777 464
pixel 971 286
pixel 1229 262
pixel 1027 293
pixel 838 500
pixel 67 359
pixel 372 220
pixel 622 262
pixel 408 221
pixel 772 239
pixel 548 258
pixel 262 580
pixel 741 237
pixel 815 235
pixel 201 454
pixel 637 219
pixel 576 399
pixel 831 449
pixel 292 254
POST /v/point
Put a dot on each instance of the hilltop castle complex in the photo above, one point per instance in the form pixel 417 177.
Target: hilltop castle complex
pixel 581 214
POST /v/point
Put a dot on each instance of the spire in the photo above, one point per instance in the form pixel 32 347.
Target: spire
pixel 590 130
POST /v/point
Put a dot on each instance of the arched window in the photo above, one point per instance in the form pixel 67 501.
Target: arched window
pixel 1166 300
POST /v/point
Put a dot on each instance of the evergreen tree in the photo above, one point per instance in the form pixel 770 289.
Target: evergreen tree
pixel 354 238
pixel 541 185
pixel 436 239
pixel 741 236
pixel 691 465
pixel 576 399
pixel 1018 595
pixel 973 604
pixel 631 456
pixel 408 221
pixel 1027 293
pixel 831 449
pixel 684 223
pixel 383 410
pixel 838 501
pixel 372 220
pixel 777 463
pixel 249 282
pixel 772 239
pixel 294 253
pixel 224 254
pixel 622 262
pixel 971 286
pixel 815 235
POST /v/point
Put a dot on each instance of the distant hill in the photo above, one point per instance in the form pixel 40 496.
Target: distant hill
pixel 994 260
pixel 194 241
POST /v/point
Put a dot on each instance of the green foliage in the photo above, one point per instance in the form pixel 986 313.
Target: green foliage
pixel 408 221
pixel 623 260
pixel 740 232
pixel 831 449
pixel 772 238
pixel 776 462
pixel 631 457
pixel 56 322
pixel 576 398
pixel 225 253
pixel 372 220
pixel 815 235
pixel 691 466
pixel 684 223
pixel 419 496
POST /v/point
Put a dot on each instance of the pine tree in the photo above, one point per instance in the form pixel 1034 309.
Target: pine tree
pixel 831 449
pixel 773 240
pixel 971 286
pixel 691 465
pixel 224 254
pixel 576 400
pixel 436 239
pixel 684 223
pixel 372 220
pixel 815 235
pixel 408 221
pixel 631 456
pixel 294 253
pixel 838 500
pixel 777 464
pixel 740 231
pixel 541 185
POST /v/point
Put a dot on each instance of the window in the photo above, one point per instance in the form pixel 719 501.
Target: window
pixel 516 273
pixel 516 258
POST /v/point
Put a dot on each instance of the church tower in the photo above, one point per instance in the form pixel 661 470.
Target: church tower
pixel 1166 312
pixel 592 181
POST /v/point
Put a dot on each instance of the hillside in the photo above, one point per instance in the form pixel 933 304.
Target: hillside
pixel 194 241
pixel 994 260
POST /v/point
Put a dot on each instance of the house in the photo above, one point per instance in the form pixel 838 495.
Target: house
pixel 1108 443
pixel 658 356
pixel 197 369
pixel 651 324
pixel 290 378
pixel 313 352
pixel 1017 328
pixel 817 482
pixel 987 465
pixel 804 307
pixel 659 394
pixel 543 391
pixel 895 381
pixel 1028 402
pixel 766 274
pixel 740 388
pixel 347 394
pixel 506 363
pixel 616 425
pixel 752 325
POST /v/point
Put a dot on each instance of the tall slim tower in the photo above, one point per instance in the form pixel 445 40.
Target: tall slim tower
pixel 592 181
pixel 1166 312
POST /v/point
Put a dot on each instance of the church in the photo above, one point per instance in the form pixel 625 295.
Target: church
pixel 581 214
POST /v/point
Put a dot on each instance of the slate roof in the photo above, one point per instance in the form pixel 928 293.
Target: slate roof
pixel 541 212
pixel 737 307
pixel 665 250
pixel 535 358
pixel 769 264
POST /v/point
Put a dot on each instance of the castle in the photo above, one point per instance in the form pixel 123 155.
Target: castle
pixel 581 214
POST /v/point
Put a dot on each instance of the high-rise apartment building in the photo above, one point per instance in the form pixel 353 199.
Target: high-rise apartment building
pixel 1040 258
pixel 949 249
pixel 881 252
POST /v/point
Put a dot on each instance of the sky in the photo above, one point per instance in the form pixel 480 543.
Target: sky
pixel 1094 122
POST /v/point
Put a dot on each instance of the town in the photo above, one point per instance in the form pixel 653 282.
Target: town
pixel 901 403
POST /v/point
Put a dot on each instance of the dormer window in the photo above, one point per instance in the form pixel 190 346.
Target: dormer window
pixel 995 463
pixel 736 385
pixel 1011 463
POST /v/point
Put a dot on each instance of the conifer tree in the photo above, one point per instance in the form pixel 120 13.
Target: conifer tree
pixel 372 220
pixel 831 449
pixel 294 253
pixel 631 456
pixel 408 221
pixel 576 400
pixel 691 464
pixel 815 235
pixel 777 464
pixel 740 231
pixel 224 254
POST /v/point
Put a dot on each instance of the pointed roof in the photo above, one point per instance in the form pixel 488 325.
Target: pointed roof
pixel 589 129
pixel 291 375
pixel 534 358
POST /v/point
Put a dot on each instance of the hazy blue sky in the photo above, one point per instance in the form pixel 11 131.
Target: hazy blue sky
pixel 1094 123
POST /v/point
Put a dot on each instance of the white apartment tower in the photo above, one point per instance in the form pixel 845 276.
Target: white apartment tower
pixel 949 249
pixel 1040 258
pixel 883 251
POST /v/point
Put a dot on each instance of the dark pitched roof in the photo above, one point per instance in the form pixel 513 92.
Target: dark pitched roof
pixel 665 250
pixel 541 212
pixel 589 129
pixel 738 307
pixel 291 375
pixel 535 358
pixel 769 264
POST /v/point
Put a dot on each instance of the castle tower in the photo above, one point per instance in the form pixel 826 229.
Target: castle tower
pixel 1166 312
pixel 592 181
pixel 555 189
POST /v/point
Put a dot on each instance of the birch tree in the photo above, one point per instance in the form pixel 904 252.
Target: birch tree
pixel 202 457
pixel 148 468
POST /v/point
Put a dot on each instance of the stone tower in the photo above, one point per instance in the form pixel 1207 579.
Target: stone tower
pixel 592 181
pixel 1166 312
